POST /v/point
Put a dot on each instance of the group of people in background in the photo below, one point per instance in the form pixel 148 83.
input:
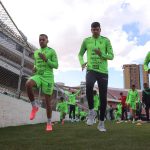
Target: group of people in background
pixel 130 106
pixel 71 108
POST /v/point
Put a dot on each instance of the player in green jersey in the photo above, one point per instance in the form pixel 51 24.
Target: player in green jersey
pixel 62 107
pixel 72 103
pixel 45 60
pixel 146 62
pixel 132 99
pixel 99 51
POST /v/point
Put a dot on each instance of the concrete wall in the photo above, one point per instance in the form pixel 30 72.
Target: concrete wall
pixel 14 112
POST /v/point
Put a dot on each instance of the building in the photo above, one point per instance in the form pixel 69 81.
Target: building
pixel 11 56
pixel 134 74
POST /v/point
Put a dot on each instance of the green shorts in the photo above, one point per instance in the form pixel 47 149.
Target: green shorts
pixel 45 83
pixel 133 105
pixel 62 113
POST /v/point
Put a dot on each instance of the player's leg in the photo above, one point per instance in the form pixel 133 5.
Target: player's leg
pixel 133 112
pixel 147 112
pixel 32 82
pixel 63 118
pixel 74 114
pixel 126 116
pixel 122 115
pixel 47 89
pixel 70 112
pixel 48 99
pixel 98 113
pixel 103 85
pixel 90 81
pixel 134 108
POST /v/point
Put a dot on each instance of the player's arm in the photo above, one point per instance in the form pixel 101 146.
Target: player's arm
pixel 66 107
pixel 138 98
pixel 109 55
pixel 81 54
pixel 57 107
pixel 34 64
pixel 146 62
pixel 77 93
pixel 53 61
pixel 127 99
pixel 67 93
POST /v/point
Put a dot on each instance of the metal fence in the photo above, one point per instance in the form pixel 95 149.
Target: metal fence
pixel 15 57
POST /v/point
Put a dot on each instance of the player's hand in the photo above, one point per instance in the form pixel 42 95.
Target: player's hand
pixel 83 66
pixel 42 56
pixel 98 52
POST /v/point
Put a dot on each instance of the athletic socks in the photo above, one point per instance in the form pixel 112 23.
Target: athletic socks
pixel 33 103
pixel 49 120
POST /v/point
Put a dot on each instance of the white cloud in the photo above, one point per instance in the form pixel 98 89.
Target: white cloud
pixel 67 23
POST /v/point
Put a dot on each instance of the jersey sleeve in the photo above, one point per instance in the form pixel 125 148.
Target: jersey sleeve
pixel 77 93
pixel 53 61
pixel 34 57
pixel 146 62
pixel 57 106
pixel 67 93
pixel 81 53
pixel 127 99
pixel 109 55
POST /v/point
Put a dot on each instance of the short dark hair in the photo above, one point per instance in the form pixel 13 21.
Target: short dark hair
pixel 121 93
pixel 94 92
pixel 133 85
pixel 61 98
pixel 145 83
pixel 44 35
pixel 95 25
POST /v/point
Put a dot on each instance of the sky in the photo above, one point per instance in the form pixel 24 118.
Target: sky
pixel 67 22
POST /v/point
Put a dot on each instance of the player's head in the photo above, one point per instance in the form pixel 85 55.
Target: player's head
pixel 61 99
pixel 94 92
pixel 43 40
pixel 121 93
pixel 73 92
pixel 133 87
pixel 95 29
pixel 145 85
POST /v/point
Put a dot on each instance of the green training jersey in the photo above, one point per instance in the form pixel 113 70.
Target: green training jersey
pixel 62 106
pixel 133 97
pixel 72 97
pixel 146 61
pixel 45 68
pixel 95 62
pixel 96 102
